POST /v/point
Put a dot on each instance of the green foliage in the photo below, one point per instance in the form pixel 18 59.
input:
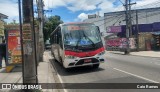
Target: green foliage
pixel 36 22
pixel 50 26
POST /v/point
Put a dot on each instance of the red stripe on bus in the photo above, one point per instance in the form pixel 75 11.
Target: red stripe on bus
pixel 84 54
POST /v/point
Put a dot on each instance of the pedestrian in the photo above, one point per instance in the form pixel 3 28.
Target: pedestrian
pixel 3 53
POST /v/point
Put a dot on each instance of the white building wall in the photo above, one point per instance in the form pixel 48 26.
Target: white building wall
pixel 145 16
pixel 98 22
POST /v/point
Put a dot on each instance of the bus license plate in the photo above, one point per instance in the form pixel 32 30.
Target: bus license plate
pixel 87 60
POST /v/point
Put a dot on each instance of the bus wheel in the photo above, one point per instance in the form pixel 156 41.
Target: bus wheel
pixel 55 60
pixel 96 66
pixel 67 69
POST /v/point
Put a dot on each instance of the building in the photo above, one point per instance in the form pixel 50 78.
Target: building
pixel 98 21
pixel 148 23
pixel 2 17
pixel 148 20
pixel 145 16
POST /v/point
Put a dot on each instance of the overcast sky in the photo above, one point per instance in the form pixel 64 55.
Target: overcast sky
pixel 74 10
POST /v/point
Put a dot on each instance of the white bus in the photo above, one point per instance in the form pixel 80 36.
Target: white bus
pixel 77 44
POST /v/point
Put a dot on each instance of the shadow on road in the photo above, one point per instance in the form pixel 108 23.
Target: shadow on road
pixel 73 71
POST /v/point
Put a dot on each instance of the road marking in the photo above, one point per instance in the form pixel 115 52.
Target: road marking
pixel 136 75
pixel 157 63
pixel 60 79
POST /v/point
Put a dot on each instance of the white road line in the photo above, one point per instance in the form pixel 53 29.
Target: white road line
pixel 60 79
pixel 157 63
pixel 136 75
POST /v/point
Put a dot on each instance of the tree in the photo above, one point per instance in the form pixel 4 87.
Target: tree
pixel 50 25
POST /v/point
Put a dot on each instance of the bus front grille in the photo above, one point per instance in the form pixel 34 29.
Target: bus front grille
pixel 81 62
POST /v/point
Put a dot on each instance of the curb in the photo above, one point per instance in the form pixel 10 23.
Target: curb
pixel 144 56
pixel 134 55
pixel 55 75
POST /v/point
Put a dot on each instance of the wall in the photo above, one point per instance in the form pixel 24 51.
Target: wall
pixel 145 16
pixel 143 39
pixel 98 22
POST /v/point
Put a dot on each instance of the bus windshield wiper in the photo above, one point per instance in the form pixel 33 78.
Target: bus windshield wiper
pixel 93 44
pixel 78 40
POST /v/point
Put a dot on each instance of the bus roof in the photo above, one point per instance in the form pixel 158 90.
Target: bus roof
pixel 71 23
pixel 76 23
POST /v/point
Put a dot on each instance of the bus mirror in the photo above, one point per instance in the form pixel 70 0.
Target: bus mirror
pixel 101 33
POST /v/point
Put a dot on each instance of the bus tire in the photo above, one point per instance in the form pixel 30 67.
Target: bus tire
pixel 96 66
pixel 55 60
pixel 66 69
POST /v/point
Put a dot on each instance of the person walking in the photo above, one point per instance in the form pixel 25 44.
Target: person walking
pixel 3 53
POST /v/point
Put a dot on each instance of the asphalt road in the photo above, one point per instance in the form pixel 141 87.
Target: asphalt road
pixel 118 68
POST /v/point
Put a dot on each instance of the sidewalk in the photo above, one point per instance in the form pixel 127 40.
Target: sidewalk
pixel 45 74
pixel 154 54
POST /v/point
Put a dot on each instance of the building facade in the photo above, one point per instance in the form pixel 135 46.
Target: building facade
pixel 148 20
pixel 145 16
pixel 148 24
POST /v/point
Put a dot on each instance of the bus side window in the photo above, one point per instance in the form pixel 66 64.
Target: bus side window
pixel 60 37
pixel 56 40
pixel 51 39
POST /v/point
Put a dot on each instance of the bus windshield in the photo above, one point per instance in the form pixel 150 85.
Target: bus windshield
pixel 81 34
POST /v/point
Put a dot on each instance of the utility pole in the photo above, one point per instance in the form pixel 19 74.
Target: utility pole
pixel 127 51
pixel 128 23
pixel 130 17
pixel 20 23
pixel 41 22
pixel 137 30
pixel 28 44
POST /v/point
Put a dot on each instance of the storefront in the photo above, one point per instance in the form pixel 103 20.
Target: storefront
pixel 156 36
pixel 156 41
pixel 147 38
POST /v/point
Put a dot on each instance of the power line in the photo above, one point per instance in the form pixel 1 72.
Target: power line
pixel 121 2
pixel 119 9
pixel 153 3
pixel 106 18
pixel 110 21
pixel 153 14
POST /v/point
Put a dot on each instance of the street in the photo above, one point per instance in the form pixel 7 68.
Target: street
pixel 118 68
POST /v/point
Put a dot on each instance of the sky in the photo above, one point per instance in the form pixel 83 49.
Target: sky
pixel 74 10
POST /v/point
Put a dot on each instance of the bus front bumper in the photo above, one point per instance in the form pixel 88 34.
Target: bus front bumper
pixel 68 63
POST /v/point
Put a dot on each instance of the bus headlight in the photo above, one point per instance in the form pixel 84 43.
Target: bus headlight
pixel 70 57
pixel 101 53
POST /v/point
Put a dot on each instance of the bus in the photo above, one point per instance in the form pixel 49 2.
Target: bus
pixel 77 44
